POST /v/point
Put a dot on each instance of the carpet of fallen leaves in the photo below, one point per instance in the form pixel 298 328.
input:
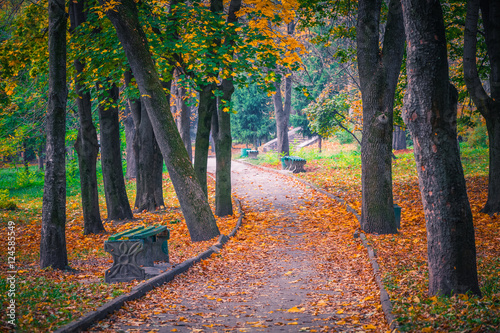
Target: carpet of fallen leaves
pixel 332 286
pixel 46 298
pixel 403 257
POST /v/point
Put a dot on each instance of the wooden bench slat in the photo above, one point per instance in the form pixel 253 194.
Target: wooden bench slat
pixel 119 235
pixel 148 233
pixel 138 232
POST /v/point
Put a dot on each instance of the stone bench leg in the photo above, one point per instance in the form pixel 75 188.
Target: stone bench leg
pixel 299 167
pixel 125 266
pixel 160 248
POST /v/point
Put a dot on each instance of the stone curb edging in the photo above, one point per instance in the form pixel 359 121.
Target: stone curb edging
pixel 384 296
pixel 140 290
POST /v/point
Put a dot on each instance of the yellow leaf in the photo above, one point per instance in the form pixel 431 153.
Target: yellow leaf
pixel 369 327
pixel 340 311
pixel 289 273
pixel 322 303
pixel 427 329
pixel 296 309
pixel 293 323
pixel 416 299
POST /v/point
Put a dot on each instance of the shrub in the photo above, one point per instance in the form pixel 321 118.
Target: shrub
pixel 6 202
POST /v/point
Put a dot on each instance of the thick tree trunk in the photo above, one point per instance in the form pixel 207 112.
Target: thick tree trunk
pixel 488 106
pixel 86 145
pixel 199 218
pixel 398 138
pixel 149 163
pixel 53 234
pixel 117 203
pixel 378 75
pixel 430 110
pixel 206 108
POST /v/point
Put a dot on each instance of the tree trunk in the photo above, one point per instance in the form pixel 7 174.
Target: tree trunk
pixel 197 212
pixel 53 234
pixel 41 154
pixel 117 203
pixel 86 144
pixel 206 108
pixel 221 125
pixel 378 76
pixel 488 106
pixel 149 163
pixel 184 123
pixel 128 122
pixel 130 126
pixel 399 138
pixel 282 112
pixel 282 117
pixel 430 111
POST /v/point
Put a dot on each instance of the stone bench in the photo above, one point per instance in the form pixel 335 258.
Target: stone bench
pixel 134 248
pixel 252 153
pixel 293 163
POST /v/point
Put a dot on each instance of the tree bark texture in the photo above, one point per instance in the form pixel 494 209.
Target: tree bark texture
pixel 53 234
pixel 221 128
pixel 184 123
pixel 378 76
pixel 86 145
pixel 488 106
pixel 129 123
pixel 430 111
pixel 399 138
pixel 221 131
pixel 117 203
pixel 41 156
pixel 149 194
pixel 282 109
pixel 282 116
pixel 197 212
pixel 206 108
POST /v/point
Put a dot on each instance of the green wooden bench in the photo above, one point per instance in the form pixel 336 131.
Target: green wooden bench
pixel 134 248
pixel 293 163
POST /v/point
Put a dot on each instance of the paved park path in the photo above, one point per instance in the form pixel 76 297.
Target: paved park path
pixel 291 268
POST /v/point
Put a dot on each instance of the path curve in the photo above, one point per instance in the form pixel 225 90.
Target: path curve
pixel 287 270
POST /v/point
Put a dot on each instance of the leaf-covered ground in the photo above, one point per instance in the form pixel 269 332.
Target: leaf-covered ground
pixel 293 266
pixel 403 257
pixel 47 299
pixel 232 280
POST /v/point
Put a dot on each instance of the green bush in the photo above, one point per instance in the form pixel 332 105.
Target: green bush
pixel 6 202
pixel 344 137
pixel 478 136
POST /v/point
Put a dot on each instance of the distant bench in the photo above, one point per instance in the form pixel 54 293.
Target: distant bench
pixel 293 163
pixel 252 153
pixel 134 248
